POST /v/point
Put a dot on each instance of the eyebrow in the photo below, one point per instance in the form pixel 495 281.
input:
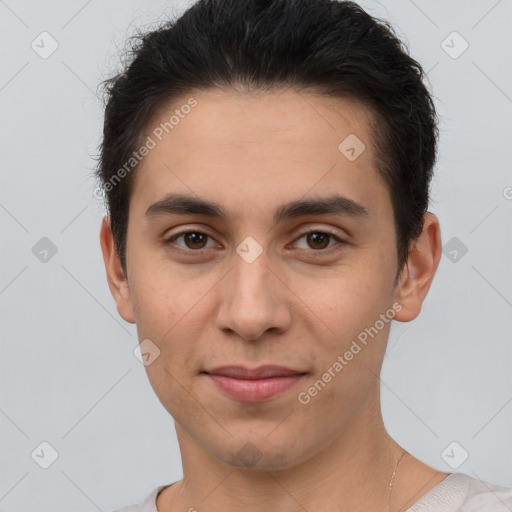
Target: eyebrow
pixel 190 205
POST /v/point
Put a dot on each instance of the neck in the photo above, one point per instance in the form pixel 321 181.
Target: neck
pixel 356 470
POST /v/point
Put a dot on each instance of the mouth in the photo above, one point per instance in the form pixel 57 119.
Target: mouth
pixel 254 385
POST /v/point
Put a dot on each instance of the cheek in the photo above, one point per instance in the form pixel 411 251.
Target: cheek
pixel 170 311
pixel 166 316
pixel 343 310
pixel 175 392
pixel 342 302
pixel 155 307
pixel 161 295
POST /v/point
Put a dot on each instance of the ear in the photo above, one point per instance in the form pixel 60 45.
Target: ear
pixel 117 282
pixel 419 270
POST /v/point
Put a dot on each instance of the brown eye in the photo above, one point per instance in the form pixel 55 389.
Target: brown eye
pixel 318 240
pixel 194 241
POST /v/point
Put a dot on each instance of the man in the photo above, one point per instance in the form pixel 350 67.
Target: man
pixel 266 167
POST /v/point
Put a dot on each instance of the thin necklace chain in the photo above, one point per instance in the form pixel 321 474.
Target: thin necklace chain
pixel 392 483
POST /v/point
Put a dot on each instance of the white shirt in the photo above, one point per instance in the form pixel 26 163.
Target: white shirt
pixel 456 493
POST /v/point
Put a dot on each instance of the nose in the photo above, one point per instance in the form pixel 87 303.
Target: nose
pixel 254 300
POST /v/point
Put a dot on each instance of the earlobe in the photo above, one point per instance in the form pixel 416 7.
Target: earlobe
pixel 115 276
pixel 421 266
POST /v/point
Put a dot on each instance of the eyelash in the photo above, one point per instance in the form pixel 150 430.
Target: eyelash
pixel 199 251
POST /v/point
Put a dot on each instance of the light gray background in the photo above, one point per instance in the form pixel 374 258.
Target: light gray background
pixel 69 376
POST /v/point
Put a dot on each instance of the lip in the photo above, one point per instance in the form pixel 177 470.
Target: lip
pixel 254 385
pixel 261 372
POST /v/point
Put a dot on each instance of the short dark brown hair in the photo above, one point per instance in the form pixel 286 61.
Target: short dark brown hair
pixel 333 47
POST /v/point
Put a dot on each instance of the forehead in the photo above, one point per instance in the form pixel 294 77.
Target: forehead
pixel 274 145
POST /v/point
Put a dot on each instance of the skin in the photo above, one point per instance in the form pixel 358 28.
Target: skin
pixel 251 153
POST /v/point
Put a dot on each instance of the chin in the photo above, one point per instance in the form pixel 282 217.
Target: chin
pixel 262 454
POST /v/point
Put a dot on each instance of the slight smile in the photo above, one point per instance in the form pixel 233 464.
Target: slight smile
pixel 256 385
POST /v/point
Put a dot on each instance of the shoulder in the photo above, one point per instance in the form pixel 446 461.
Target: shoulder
pixel 462 493
pixel 147 504
pixel 486 497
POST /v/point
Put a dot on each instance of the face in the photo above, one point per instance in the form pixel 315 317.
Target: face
pixel 251 288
